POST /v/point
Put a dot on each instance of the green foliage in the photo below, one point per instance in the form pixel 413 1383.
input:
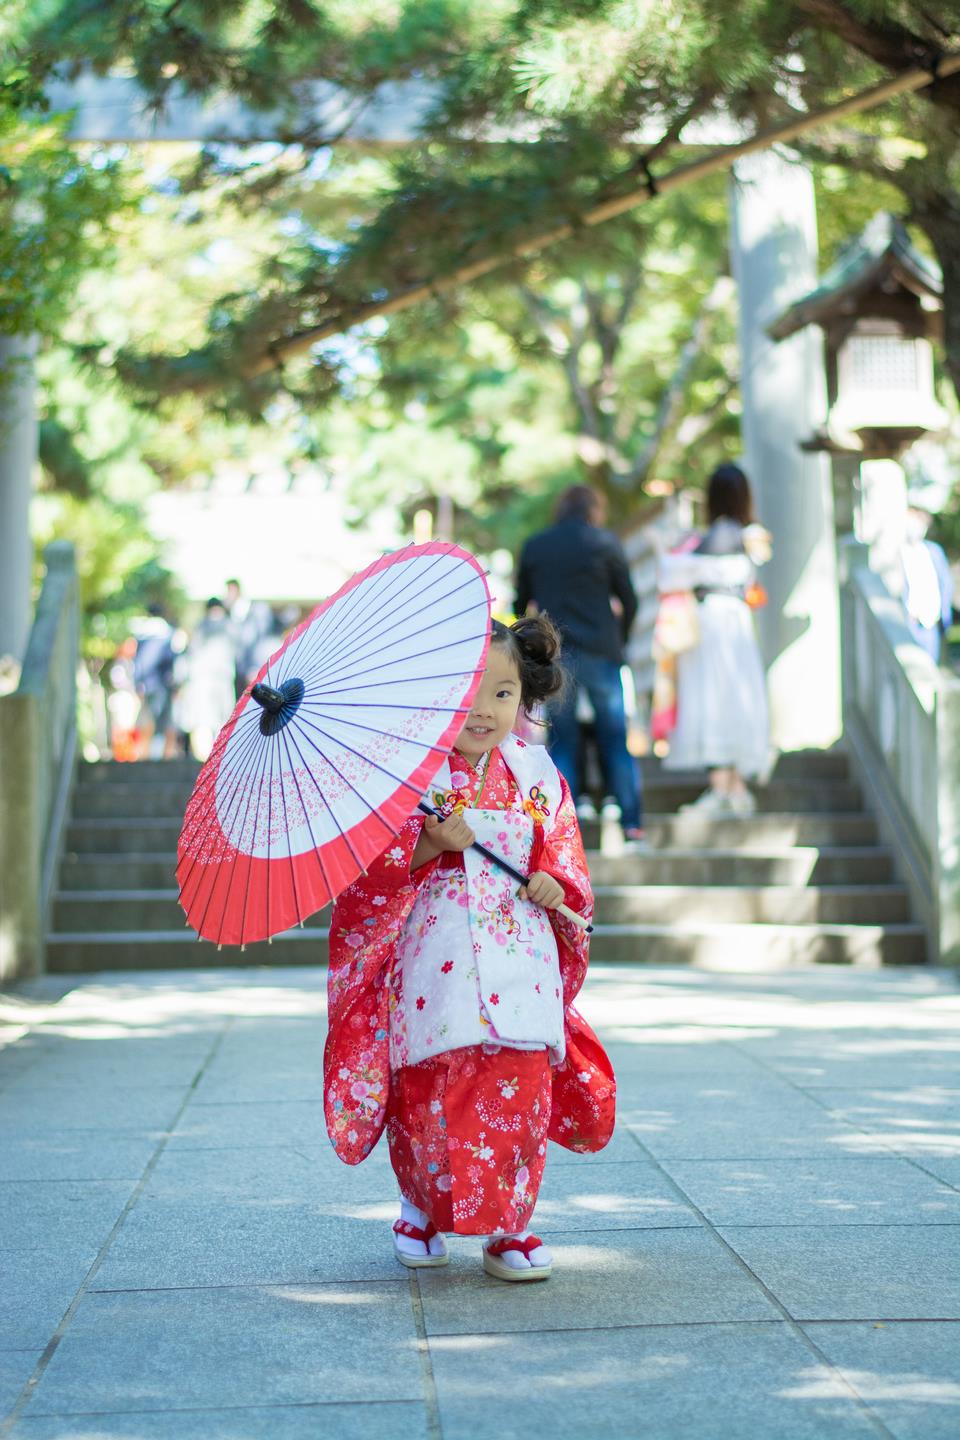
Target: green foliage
pixel 560 365
pixel 580 90
pixel 117 562
pixel 103 456
pixel 54 209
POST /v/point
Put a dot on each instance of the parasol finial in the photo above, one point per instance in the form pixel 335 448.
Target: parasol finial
pixel 272 700
pixel 278 706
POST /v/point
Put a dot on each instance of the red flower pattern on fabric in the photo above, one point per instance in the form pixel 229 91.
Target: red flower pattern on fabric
pixel 494 998
pixel 468 1133
pixel 420 1002
pixel 446 967
pixel 581 1094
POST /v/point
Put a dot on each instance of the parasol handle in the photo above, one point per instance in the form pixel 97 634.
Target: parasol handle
pixel 518 875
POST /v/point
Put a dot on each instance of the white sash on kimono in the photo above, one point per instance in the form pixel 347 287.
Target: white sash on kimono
pixel 476 965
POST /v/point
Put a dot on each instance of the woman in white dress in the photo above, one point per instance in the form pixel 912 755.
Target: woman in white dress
pixel 209 695
pixel 722 720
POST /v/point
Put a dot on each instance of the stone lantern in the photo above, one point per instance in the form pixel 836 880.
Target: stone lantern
pixel 879 308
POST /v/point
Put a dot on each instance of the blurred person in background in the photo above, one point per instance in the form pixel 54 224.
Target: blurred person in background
pixel 153 667
pixel 127 740
pixel 208 693
pixel 927 583
pixel 577 573
pixel 721 695
pixel 267 644
pixel 251 622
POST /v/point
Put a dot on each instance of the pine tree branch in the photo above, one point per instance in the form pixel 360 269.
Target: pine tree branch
pixel 628 298
pixel 204 370
pixel 885 41
pixel 609 337
pixel 567 351
pixel 606 209
pixel 693 428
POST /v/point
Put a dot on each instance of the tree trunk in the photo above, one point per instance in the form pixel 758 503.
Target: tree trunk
pixel 671 403
pixel 939 218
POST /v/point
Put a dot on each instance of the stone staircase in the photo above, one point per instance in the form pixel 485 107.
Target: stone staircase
pixel 804 880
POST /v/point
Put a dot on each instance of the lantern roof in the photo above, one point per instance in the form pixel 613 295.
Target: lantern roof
pixel 881 258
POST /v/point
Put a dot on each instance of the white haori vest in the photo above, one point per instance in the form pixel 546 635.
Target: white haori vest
pixel 475 964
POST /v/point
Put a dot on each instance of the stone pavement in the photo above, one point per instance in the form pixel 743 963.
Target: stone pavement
pixel 770 1246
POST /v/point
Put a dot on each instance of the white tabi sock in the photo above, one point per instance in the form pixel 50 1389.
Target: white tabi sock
pixel 415 1216
pixel 539 1258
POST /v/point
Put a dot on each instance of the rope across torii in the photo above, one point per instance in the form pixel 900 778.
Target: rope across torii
pixel 917 78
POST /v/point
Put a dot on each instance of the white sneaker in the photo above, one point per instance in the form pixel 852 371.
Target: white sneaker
pixel 609 810
pixel 743 803
pixel 586 810
pixel 711 802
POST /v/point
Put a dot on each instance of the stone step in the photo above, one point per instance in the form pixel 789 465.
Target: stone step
pixel 763 905
pixel 121 802
pixel 796 764
pixel 801 865
pixel 688 832
pixel 162 800
pixel 870 865
pixel 112 910
pixel 764 831
pixel 181 771
pixel 726 947
pixel 812 764
pixel 121 837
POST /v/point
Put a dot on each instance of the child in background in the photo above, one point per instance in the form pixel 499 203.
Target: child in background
pixel 451 1015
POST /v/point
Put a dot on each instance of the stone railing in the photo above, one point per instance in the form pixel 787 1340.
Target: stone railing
pixel 902 728
pixel 37 762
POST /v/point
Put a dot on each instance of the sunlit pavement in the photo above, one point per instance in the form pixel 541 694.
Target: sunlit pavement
pixel 769 1247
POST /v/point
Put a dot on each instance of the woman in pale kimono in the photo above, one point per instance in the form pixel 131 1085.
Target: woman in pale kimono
pixel 208 698
pixel 451 1015
pixel 722 723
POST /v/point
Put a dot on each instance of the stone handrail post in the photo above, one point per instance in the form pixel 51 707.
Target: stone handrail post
pixel 37 760
pixel 901 716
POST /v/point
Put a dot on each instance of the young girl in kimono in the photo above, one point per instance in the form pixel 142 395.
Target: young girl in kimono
pixel 451 990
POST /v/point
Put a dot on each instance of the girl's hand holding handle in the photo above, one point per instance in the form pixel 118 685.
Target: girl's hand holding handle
pixel 438 835
pixel 543 890
pixel 451 834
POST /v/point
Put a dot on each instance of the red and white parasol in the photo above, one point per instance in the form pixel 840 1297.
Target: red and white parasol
pixel 331 749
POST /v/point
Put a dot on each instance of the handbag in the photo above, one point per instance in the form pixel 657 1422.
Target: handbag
pixel 677 627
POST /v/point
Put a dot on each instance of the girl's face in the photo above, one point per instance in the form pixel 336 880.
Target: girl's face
pixel 495 705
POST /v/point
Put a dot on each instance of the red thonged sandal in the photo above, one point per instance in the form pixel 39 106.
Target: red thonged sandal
pixel 499 1268
pixel 413 1232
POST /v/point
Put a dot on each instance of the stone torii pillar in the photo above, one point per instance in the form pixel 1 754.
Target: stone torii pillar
pixel 774 257
pixel 18 453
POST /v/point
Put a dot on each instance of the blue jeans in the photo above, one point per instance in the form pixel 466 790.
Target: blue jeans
pixel 600 678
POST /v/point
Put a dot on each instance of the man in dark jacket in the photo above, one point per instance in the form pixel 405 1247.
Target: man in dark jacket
pixel 574 572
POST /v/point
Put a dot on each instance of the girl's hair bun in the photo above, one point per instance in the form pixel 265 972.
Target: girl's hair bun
pixel 535 644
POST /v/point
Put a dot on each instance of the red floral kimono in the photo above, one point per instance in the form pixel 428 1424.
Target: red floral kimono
pixel 467 1127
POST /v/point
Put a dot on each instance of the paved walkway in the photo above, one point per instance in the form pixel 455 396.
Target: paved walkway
pixel 770 1246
